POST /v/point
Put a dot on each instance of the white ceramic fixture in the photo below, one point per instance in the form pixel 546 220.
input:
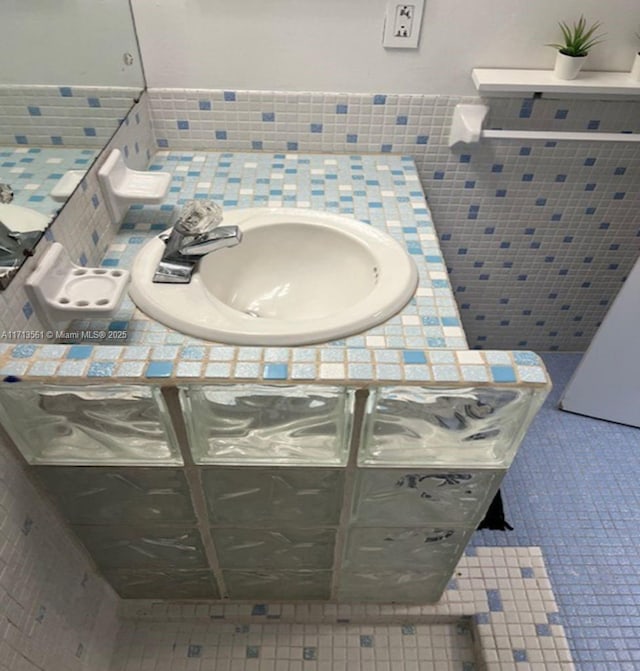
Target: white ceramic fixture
pixel 61 290
pixel 66 185
pixel 122 187
pixel 22 219
pixel 466 125
pixel 635 69
pixel 298 277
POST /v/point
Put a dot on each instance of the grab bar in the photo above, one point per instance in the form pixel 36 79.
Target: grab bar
pixel 466 128
pixel 559 135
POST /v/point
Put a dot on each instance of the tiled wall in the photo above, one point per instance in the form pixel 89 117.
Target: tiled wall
pixel 56 613
pixel 538 236
pixel 83 225
pixel 76 116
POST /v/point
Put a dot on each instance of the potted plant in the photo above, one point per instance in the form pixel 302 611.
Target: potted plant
pixel 635 69
pixel 579 39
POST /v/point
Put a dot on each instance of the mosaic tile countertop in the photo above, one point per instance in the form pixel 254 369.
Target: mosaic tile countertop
pixel 424 342
pixel 32 172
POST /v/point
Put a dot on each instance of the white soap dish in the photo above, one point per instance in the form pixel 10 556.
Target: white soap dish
pixel 122 186
pixel 66 185
pixel 61 290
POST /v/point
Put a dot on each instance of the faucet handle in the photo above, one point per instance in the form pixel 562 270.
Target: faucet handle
pixel 6 193
pixel 198 217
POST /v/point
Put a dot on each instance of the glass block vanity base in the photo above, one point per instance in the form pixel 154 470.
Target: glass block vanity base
pixel 261 473
pixel 329 522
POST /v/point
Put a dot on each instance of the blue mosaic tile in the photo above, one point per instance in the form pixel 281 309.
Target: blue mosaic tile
pixel 520 655
pixel 253 652
pixel 80 352
pixel 494 601
pixel 411 357
pixel 23 351
pixel 309 653
pixel 194 650
pixel 159 369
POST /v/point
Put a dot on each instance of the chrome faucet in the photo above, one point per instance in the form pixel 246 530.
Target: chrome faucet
pixel 195 233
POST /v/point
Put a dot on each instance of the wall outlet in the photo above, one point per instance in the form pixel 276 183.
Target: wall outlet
pixel 402 23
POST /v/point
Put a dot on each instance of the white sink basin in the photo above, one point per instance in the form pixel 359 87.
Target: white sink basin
pixel 298 277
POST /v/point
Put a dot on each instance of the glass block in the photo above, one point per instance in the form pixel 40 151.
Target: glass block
pixel 471 426
pixel 123 495
pixel 122 424
pixel 167 547
pixel 423 497
pixel 258 424
pixel 419 587
pixel 169 584
pixel 261 497
pixel 274 548
pixel 278 585
pixel 390 548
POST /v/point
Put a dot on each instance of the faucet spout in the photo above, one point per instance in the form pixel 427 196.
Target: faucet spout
pixel 191 239
pixel 220 237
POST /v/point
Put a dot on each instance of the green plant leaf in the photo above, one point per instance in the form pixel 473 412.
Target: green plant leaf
pixel 579 38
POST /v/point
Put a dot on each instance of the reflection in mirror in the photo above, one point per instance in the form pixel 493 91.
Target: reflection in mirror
pixel 73 75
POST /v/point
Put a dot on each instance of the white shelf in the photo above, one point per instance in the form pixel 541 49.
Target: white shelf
pixel 501 82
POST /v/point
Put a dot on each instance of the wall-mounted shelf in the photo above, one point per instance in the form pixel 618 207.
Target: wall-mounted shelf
pixel 503 82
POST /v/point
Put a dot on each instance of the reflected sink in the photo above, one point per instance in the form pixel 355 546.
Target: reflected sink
pixel 22 219
pixel 298 277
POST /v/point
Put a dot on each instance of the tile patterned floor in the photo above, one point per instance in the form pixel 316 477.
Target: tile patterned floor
pixel 572 491
pixel 500 599
pixel 298 647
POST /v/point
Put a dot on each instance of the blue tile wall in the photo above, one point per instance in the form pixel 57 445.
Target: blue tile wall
pixel 516 220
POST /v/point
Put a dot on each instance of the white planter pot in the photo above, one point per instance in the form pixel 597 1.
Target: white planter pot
pixel 568 67
pixel 635 69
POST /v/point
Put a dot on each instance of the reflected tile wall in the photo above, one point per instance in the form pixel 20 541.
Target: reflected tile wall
pixel 105 495
pixel 275 548
pixel 89 424
pixel 80 116
pixel 268 424
pixel 260 497
pixel 423 497
pixel 480 426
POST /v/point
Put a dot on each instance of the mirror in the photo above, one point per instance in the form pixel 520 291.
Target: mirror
pixel 72 72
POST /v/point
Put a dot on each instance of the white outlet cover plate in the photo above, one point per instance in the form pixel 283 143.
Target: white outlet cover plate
pixel 402 24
